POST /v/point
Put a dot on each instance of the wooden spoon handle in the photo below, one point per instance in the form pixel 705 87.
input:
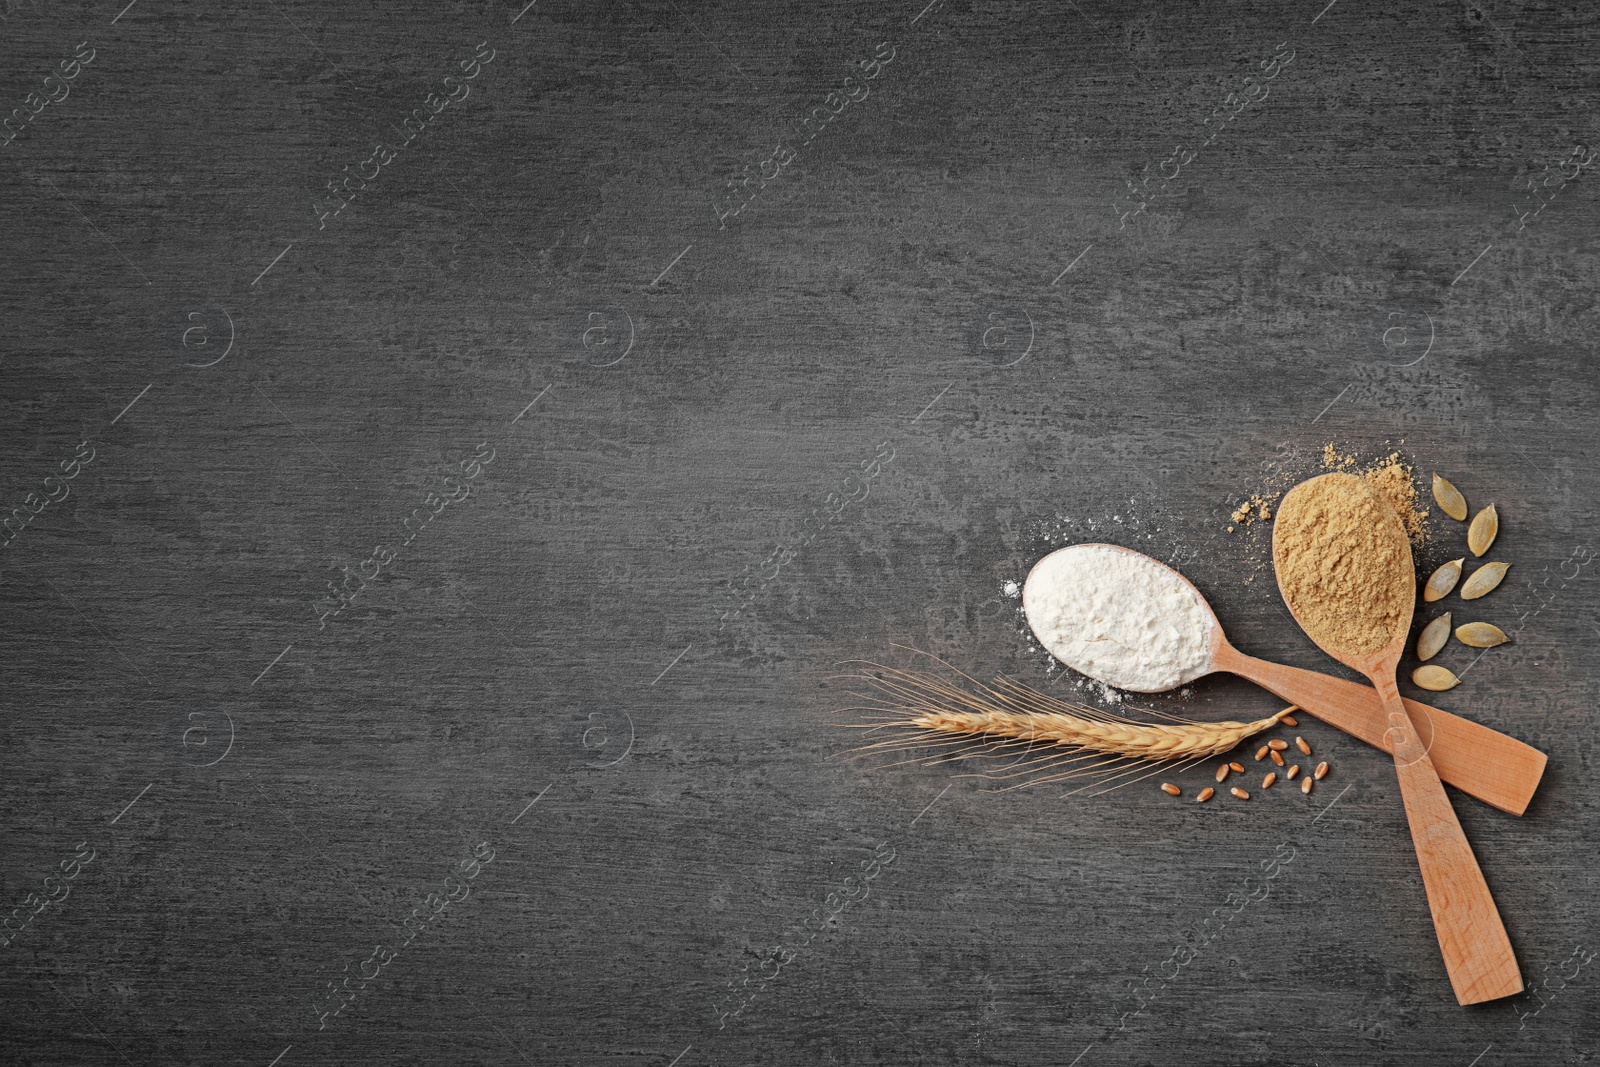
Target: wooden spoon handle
pixel 1498 770
pixel 1477 953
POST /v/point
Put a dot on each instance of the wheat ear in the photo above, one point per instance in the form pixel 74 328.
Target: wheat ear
pixel 1147 741
pixel 948 722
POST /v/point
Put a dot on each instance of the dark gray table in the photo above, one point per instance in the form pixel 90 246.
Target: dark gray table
pixel 452 451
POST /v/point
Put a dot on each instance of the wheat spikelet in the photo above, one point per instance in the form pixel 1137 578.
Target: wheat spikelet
pixel 1050 739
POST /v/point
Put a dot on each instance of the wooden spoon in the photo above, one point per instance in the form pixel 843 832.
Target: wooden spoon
pixel 1498 770
pixel 1326 584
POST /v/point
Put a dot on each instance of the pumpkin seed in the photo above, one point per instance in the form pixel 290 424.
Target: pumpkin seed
pixel 1450 500
pixel 1480 535
pixel 1435 679
pixel 1480 634
pixel 1433 637
pixel 1441 581
pixel 1483 580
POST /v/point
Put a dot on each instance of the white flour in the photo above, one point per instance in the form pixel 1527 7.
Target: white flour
pixel 1119 617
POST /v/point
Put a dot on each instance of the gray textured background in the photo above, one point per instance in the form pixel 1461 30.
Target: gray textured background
pixel 637 618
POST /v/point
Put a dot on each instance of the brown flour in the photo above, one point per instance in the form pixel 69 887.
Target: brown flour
pixel 1257 506
pixel 1392 478
pixel 1341 567
pixel 1390 475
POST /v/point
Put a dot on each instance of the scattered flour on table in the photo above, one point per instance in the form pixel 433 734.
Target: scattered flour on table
pixel 1118 617
pixel 1107 694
